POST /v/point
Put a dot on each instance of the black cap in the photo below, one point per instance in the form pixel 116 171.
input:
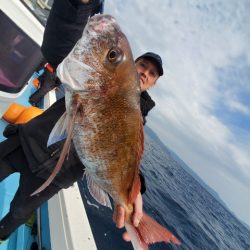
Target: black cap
pixel 156 59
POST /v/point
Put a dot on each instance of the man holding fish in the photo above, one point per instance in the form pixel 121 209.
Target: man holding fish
pixel 95 130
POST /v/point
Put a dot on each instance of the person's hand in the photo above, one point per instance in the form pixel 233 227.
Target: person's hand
pixel 119 215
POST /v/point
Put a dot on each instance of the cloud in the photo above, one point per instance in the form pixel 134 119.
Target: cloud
pixel 202 100
pixel 235 105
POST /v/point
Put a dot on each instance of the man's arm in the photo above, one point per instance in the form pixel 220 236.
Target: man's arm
pixel 64 27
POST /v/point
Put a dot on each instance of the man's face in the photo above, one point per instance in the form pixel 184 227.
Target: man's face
pixel 148 73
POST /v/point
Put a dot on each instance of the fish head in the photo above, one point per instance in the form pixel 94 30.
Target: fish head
pixel 101 60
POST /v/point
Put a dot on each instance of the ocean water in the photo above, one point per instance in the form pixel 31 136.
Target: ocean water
pixel 177 201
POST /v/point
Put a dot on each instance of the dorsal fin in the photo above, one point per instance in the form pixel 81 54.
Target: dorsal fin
pixel 59 131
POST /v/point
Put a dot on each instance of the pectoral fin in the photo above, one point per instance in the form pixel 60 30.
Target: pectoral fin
pixel 63 154
pixel 59 132
pixel 97 193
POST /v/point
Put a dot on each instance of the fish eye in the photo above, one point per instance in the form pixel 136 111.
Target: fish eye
pixel 114 55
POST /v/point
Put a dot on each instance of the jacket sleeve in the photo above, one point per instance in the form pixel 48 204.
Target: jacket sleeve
pixel 143 184
pixel 64 27
pixel 146 104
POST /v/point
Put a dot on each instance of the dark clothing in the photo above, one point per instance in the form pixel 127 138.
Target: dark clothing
pixel 47 81
pixel 146 105
pixel 12 159
pixel 64 28
pixel 42 160
pixel 25 151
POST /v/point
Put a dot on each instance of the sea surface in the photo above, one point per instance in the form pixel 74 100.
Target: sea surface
pixel 176 200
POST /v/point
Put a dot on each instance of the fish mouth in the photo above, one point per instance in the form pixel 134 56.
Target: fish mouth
pixel 100 23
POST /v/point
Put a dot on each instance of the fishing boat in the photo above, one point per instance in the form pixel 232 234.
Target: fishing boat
pixel 61 223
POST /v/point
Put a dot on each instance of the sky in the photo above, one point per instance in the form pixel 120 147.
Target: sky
pixel 202 108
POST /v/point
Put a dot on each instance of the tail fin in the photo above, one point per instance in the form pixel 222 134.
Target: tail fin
pixel 149 232
pixel 136 239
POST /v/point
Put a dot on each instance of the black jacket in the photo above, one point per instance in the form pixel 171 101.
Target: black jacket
pixel 42 160
pixel 64 28
pixel 146 105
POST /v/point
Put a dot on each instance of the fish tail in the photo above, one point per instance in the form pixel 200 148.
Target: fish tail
pixel 135 237
pixel 148 232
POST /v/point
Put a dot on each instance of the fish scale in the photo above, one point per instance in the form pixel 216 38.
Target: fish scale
pixel 107 153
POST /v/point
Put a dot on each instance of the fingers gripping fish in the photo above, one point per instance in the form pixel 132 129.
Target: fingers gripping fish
pixel 103 119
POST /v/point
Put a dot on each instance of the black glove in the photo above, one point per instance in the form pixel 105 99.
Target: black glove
pixel 10 129
pixel 48 81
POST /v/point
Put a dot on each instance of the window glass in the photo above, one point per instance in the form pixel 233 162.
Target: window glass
pixel 19 56
pixel 39 8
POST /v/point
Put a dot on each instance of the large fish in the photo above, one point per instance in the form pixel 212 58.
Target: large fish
pixel 104 120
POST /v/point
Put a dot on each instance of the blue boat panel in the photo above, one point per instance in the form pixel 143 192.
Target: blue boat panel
pixel 45 231
pixel 2 126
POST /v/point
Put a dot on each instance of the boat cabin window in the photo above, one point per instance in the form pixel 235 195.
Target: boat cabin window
pixel 39 8
pixel 19 56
